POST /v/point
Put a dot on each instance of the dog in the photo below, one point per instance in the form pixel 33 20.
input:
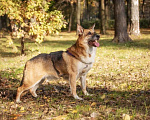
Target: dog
pixel 71 64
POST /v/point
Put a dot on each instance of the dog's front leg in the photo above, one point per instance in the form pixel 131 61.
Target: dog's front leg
pixel 72 81
pixel 83 84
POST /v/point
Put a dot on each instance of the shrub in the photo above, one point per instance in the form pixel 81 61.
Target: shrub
pixel 144 23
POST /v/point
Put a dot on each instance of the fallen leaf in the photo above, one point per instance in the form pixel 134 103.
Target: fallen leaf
pixel 94 114
pixel 22 111
pixel 61 117
pixel 15 118
pixel 126 117
pixel 103 96
pixel 22 108
pixel 93 104
pixel 74 111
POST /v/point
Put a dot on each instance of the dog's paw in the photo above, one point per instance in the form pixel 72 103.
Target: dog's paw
pixel 87 94
pixel 34 94
pixel 18 101
pixel 77 97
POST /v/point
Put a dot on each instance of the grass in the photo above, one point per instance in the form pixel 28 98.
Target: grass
pixel 119 81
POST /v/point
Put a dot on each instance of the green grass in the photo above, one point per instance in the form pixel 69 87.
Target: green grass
pixel 119 81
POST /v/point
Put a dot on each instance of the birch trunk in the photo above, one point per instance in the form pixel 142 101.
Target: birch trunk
pixel 135 28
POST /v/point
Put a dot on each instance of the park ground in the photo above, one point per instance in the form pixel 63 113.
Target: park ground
pixel 119 81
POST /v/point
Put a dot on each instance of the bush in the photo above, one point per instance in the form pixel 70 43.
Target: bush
pixel 144 23
pixel 87 24
pixel 110 24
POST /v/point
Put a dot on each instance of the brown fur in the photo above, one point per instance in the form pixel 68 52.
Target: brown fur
pixel 73 64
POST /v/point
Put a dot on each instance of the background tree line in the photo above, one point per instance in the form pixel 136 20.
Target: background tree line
pixel 38 18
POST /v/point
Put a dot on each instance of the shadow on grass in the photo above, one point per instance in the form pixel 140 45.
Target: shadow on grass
pixel 137 101
pixel 8 54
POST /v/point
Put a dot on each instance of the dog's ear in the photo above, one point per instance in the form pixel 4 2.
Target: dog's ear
pixel 80 29
pixel 92 28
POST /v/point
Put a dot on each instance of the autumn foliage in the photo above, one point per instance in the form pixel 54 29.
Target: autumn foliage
pixel 32 17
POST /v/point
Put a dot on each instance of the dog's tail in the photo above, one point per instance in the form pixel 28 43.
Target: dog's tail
pixel 23 76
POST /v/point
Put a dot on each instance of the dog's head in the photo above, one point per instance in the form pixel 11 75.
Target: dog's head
pixel 88 36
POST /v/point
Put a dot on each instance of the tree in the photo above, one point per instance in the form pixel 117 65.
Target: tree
pixel 121 34
pixel 143 3
pixel 78 12
pixel 32 18
pixel 0 23
pixel 71 14
pixel 87 9
pixel 102 14
pixel 135 29
pixel 128 15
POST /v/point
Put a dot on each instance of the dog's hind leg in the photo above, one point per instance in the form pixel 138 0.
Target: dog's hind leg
pixel 35 86
pixel 33 90
pixel 20 90
pixel 26 85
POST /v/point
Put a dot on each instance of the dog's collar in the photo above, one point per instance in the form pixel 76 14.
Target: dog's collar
pixel 76 57
pixel 70 53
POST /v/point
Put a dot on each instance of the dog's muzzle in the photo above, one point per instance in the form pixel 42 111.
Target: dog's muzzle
pixel 94 42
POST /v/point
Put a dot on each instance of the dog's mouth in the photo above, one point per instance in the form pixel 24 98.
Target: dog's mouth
pixel 93 43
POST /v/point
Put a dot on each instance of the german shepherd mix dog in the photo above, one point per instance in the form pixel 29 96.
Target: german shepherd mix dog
pixel 71 64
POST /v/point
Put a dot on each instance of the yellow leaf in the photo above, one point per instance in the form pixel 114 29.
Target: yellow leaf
pixel 12 103
pixel 126 117
pixel 123 85
pixel 22 111
pixel 106 101
pixel 15 118
pixel 61 117
pixel 103 96
pixel 5 110
pixel 22 108
pixel 74 111
pixel 93 104
pixel 72 102
pixel 44 97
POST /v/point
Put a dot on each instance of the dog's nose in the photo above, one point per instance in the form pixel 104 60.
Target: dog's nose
pixel 98 36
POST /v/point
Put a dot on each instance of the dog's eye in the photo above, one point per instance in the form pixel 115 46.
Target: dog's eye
pixel 89 33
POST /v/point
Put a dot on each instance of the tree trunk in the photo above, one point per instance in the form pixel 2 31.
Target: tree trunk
pixel 87 9
pixel 135 29
pixel 103 29
pixel 22 46
pixel 107 15
pixel 70 19
pixel 4 21
pixel 78 12
pixel 99 14
pixel 143 8
pixel 0 23
pixel 121 34
pixel 129 15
